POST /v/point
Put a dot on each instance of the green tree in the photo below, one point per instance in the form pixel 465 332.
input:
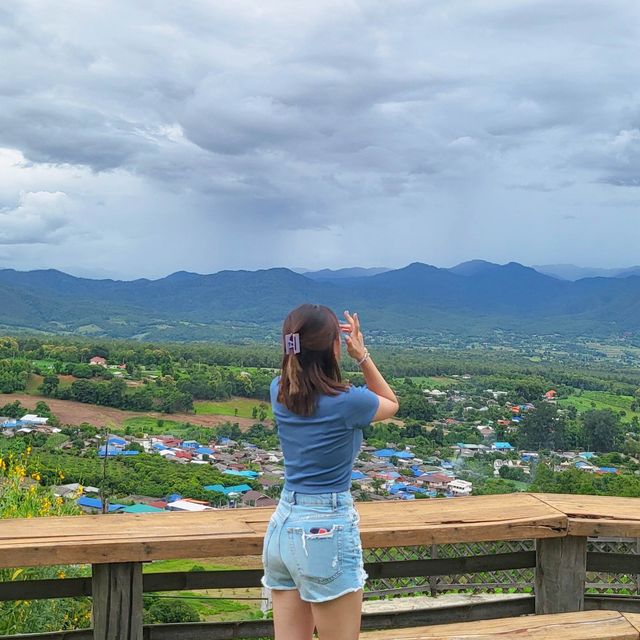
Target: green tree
pixel 49 385
pixel 602 429
pixel 542 429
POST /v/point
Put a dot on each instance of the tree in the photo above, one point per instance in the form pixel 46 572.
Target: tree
pixel 49 385
pixel 167 611
pixel 416 406
pixel 602 429
pixel 542 429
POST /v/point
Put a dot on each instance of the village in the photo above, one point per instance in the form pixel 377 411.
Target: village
pixel 256 474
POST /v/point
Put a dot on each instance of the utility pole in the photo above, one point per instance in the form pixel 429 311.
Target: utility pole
pixel 103 497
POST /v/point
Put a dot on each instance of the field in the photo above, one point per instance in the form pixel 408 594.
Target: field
pixel 35 381
pixel 216 604
pixel 74 413
pixel 589 400
pixel 241 407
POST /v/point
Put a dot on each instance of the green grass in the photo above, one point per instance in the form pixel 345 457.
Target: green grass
pixel 589 400
pixel 33 383
pixel 162 566
pixel 152 425
pixel 244 407
pixel 54 441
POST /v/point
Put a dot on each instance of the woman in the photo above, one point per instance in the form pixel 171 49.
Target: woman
pixel 312 554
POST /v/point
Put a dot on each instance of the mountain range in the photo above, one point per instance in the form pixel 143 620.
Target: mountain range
pixel 475 300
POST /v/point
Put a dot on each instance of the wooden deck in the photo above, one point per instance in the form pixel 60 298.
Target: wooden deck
pixel 141 537
pixel 117 545
pixel 586 625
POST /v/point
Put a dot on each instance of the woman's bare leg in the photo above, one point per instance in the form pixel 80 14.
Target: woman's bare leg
pixel 339 619
pixel 292 618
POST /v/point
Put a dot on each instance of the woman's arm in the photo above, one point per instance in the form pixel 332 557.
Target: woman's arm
pixel 376 383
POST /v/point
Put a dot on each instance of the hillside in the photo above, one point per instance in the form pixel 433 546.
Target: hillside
pixel 475 299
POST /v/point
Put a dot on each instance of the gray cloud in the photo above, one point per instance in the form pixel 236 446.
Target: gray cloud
pixel 249 134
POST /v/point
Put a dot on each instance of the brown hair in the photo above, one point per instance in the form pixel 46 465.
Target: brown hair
pixel 314 371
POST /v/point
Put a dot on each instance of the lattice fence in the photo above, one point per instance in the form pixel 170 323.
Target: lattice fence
pixel 507 581
pixel 609 582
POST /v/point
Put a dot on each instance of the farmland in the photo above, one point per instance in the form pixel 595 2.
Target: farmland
pixel 588 400
pixel 240 407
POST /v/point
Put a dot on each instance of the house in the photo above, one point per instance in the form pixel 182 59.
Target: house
pixel 98 361
pixel 550 395
pixel 460 487
pixel 501 446
pixel 390 453
pixel 245 473
pixel 141 508
pixel 186 504
pixel 31 419
pixel 435 481
pixel 94 505
pixel 485 431
pixel 238 488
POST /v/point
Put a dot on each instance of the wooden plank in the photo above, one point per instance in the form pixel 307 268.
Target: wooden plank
pixel 141 537
pixel 597 515
pixel 613 562
pixel 586 625
pixel 117 601
pixel 602 602
pixel 560 574
pixel 194 580
pixel 633 619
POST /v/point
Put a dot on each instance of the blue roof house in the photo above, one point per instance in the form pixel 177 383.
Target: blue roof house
pixel 116 441
pixel 390 453
pixel 239 488
pixel 247 473
pixel 357 475
pixel 191 444
pixel 502 446
pixel 205 451
pixel 95 503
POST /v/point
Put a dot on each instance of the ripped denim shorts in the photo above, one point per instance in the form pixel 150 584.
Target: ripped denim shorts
pixel 312 544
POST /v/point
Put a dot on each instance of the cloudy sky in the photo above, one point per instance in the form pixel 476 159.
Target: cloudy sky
pixel 141 138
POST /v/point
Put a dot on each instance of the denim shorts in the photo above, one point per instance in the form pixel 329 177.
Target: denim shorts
pixel 313 545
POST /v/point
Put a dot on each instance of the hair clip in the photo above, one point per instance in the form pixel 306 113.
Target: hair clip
pixel 292 343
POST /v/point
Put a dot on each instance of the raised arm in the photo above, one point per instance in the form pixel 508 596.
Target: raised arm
pixel 376 383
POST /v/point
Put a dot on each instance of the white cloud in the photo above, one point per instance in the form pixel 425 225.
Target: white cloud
pixel 37 219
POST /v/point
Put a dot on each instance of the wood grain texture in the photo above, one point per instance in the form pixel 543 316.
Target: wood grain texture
pixel 633 619
pixel 140 537
pixel 585 625
pixel 597 515
pixel 117 601
pixel 561 569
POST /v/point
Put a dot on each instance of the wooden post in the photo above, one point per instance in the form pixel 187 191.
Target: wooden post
pixel 561 570
pixel 433 580
pixel 638 574
pixel 117 601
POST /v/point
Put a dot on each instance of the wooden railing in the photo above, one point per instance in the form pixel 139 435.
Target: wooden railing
pixel 117 546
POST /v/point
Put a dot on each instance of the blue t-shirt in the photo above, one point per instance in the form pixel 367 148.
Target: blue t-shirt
pixel 319 450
